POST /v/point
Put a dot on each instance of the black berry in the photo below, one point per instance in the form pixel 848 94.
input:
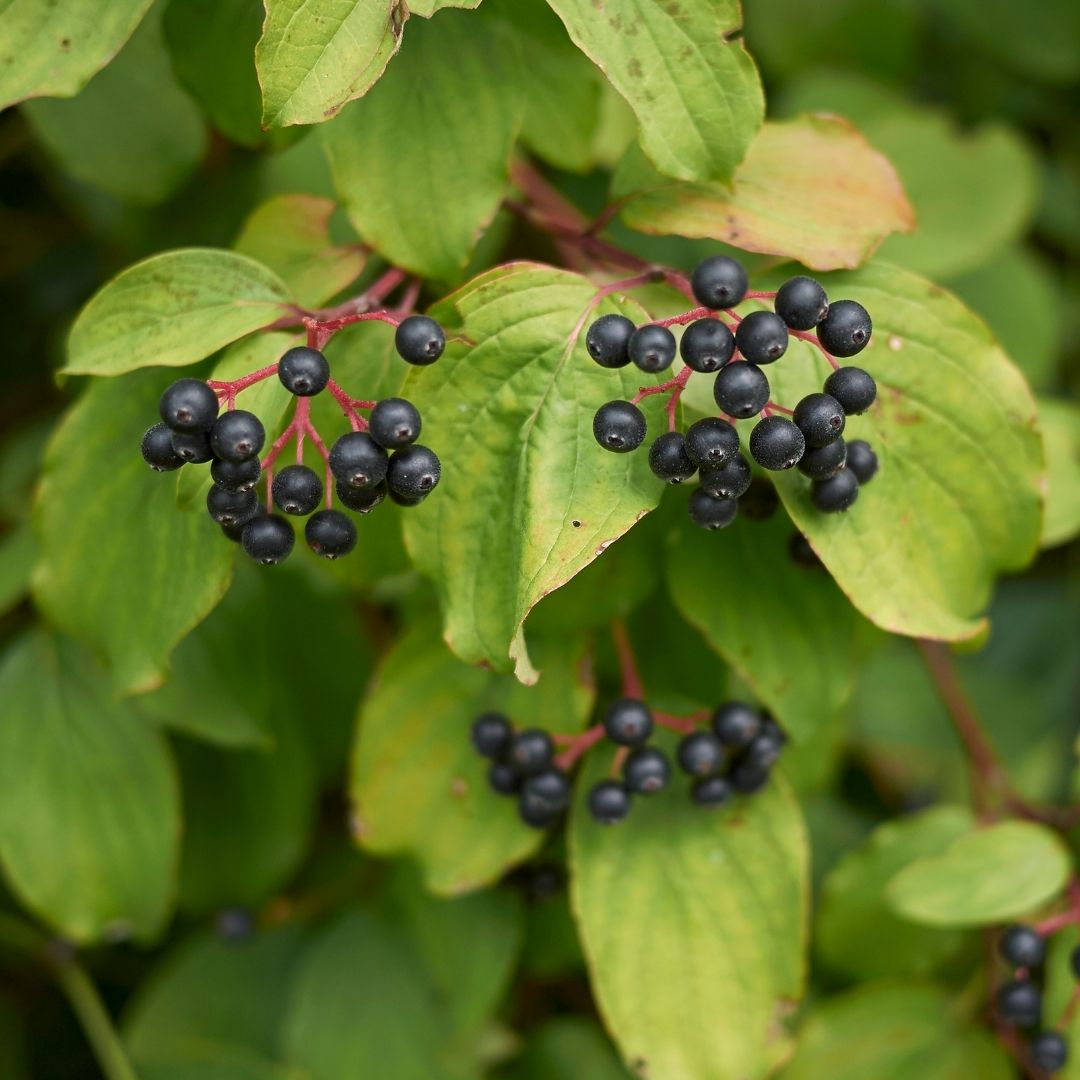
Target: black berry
pixel 820 417
pixel 157 449
pixel 1048 1051
pixel 608 340
pixel 821 462
pixel 1019 1002
pixel 741 390
pixel 237 436
pixel 747 778
pixel 652 348
pixel 628 722
pixel 862 460
pixel 764 749
pixel 419 340
pixel 235 533
pixel 268 539
pixel 188 405
pixel 719 282
pixel 835 494
pixel 531 751
pixel 297 489
pixel 491 734
pixel 619 426
pixel 731 481
pixel 854 388
pixel 1022 946
pixel 736 723
pixel 759 501
pixel 802 553
pixel 405 500
pixel 330 533
pixel 776 443
pixel 707 345
pixel 236 475
pixel 193 446
pixel 231 508
pixel 358 461
pixel 709 512
pixel 303 371
pixel 668 458
pixel 711 791
pixel 700 753
pixel 846 329
pixel 547 791
pixel 762 337
pixel 394 423
pixel 646 771
pixel 413 471
pixel 609 802
pixel 504 778
pixel 801 302
pixel 711 441
pixel 360 500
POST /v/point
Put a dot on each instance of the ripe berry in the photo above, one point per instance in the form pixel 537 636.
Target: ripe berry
pixel 709 512
pixel 491 734
pixel 414 471
pixel 802 553
pixel 652 348
pixel 619 426
pixel 188 405
pixel 759 501
pixel 405 500
pixel 731 481
pixel 235 533
pixel 711 791
pixel 668 458
pixel 820 417
pixel 719 282
pixel 1048 1051
pixel 700 753
pixel 862 460
pixel 776 443
pixel 711 441
pixel 237 435
pixel 835 494
pixel 297 489
pixel 801 302
pixel 846 329
pixel 1019 1002
pixel 231 507
pixel 628 722
pixel 360 500
pixel 762 337
pixel 193 446
pixel 419 340
pixel 548 791
pixel 736 723
pixel 608 339
pixel 764 749
pixel 157 449
pixel 609 802
pixel 394 423
pixel 303 371
pixel 268 539
pixel 531 751
pixel 330 533
pixel 504 778
pixel 358 461
pixel 646 771
pixel 741 390
pixel 746 777
pixel 707 345
pixel 854 388
pixel 236 476
pixel 821 462
pixel 1022 946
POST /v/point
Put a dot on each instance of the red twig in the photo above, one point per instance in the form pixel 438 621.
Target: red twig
pixel 631 677
pixel 805 335
pixel 580 745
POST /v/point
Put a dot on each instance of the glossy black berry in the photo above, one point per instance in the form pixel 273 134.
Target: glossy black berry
pixel 360 500
pixel 668 458
pixel 764 749
pixel 531 751
pixel 1048 1051
pixel 628 722
pixel 821 462
pixel 845 330
pixel 741 390
pixel 700 753
pixel 862 460
pixel 747 778
pixel 854 388
pixel 762 337
pixel 652 348
pixel 1019 1002
pixel 646 771
pixel 711 791
pixel 304 371
pixel 547 791
pixel 609 802
pixel 711 441
pixel 608 340
pixel 619 426
pixel 736 724
pixel 330 533
pixel 835 494
pixel 235 533
pixel 707 345
pixel 236 475
pixel 358 461
pixel 776 443
pixel 759 501
pixel 490 734
pixel 820 417
pixel 231 507
pixel 188 405
pixel 1022 946
pixel 237 436
pixel 404 500
pixel 394 423
pixel 419 340
pixel 719 282
pixel 802 553
pixel 268 539
pixel 731 481
pixel 413 471
pixel 709 512
pixel 504 778
pixel 801 302
pixel 297 490
pixel 192 446
pixel 157 449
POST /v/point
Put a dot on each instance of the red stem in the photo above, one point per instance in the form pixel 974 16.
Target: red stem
pixel 631 677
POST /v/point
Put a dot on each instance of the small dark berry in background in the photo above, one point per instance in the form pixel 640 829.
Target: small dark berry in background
pixel 646 771
pixel 802 553
pixel 157 449
pixel 761 337
pixel 357 460
pixel 548 791
pixel 835 494
pixel 735 723
pixel 419 340
pixel 545 880
pixel 330 533
pixel 801 302
pixel 759 501
pixel 535 814
pixel 504 778
pixel 776 443
pixel 607 340
pixel 821 462
pixel 741 390
pixel 304 371
pixel 1022 946
pixel 747 778
pixel 846 329
pixel 711 441
pixel 668 458
pixel 709 512
pixel 236 475
pixel 394 423
pixel 719 282
pixel 192 446
pixel 700 753
pixel 296 489
pixel 619 426
pixel 531 751
pixel 820 417
pixel 188 405
pixel 711 791
pixel 231 508
pixel 1048 1051
pixel 1019 1002
pixel 652 348
pixel 360 500
pixel 413 471
pixel 268 539
pixel 731 481
pixel 236 436
pixel 707 345
pixel 491 734
pixel 628 722
pixel 862 460
pixel 609 802
pixel 764 749
pixel 234 924
pixel 854 388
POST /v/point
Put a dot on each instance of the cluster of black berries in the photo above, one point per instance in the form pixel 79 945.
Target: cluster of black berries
pixel 1020 1000
pixel 811 439
pixel 367 466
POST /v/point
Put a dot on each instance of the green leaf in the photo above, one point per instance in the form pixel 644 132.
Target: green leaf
pixel 892 1031
pixel 120 567
pixel 422 202
pixel 568 1046
pixel 531 499
pixel 132 132
pixel 290 234
pixel 684 71
pixel 857 934
pixel 1059 986
pixel 796 651
pixel 18 553
pixel 427 8
pixel 1060 425
pixel 985 877
pixel 420 788
pixel 218 1063
pixel 88 794
pixel 956 499
pixel 811 188
pixel 173 309
pixel 693 923
pixel 52 50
